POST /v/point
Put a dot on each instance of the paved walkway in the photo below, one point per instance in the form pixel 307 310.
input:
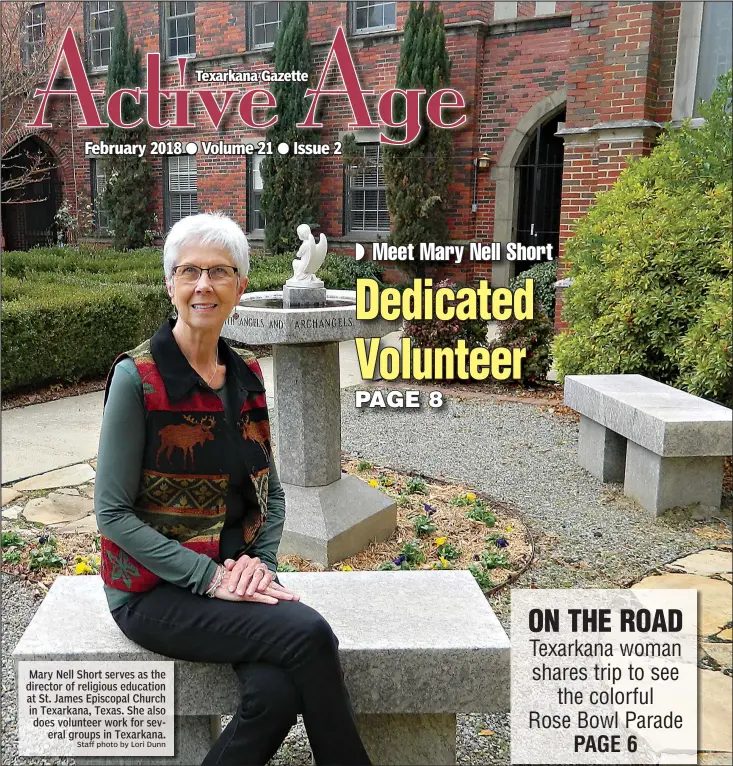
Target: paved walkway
pixel 44 437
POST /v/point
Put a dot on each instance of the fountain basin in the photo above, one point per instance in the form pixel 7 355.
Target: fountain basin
pixel 261 319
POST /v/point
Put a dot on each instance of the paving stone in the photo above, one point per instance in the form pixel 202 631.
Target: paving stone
pixel 721 653
pixel 716 709
pixel 716 598
pixel 8 495
pixel 705 563
pixel 57 509
pixel 714 759
pixel 69 491
pixel 11 512
pixel 61 477
pixel 726 635
pixel 87 525
pixel 88 490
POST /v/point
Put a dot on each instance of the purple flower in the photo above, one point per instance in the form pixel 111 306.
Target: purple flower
pixel 397 561
pixel 476 557
pixel 43 539
pixel 501 542
pixel 429 509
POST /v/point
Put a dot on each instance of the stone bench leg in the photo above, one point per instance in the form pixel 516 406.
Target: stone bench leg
pixel 194 736
pixel 601 452
pixel 658 483
pixel 407 740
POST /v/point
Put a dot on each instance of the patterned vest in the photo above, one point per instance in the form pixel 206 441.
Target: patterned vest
pixel 186 466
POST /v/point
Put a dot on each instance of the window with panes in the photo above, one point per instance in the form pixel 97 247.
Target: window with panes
pixel 367 193
pixel 100 23
pixel 372 16
pixel 99 184
pixel 180 29
pixel 33 33
pixel 256 221
pixel 180 188
pixel 264 22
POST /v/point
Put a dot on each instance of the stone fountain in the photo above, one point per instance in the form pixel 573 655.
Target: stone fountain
pixel 329 515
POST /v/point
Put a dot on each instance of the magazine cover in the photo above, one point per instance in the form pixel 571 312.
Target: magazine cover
pixel 366 383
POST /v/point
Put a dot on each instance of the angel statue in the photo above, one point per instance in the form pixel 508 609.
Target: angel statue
pixel 309 258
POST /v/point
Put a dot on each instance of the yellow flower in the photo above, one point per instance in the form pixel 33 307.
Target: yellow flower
pixel 470 496
pixel 508 527
pixel 347 568
pixel 83 568
pixel 373 483
pixel 444 561
pixel 78 558
pixel 440 541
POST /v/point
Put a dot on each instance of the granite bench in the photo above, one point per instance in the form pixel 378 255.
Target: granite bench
pixel 665 445
pixel 416 648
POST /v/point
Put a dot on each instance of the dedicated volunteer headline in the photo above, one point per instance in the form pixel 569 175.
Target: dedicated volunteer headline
pixel 422 301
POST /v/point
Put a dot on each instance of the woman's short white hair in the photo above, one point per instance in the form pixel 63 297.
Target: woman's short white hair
pixel 212 229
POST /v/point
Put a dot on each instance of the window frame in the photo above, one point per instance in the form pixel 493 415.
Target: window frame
pixel 349 196
pixel 356 30
pixel 250 23
pixel 687 63
pixel 165 38
pixel 98 210
pixel 168 194
pixel 28 47
pixel 89 33
pixel 254 212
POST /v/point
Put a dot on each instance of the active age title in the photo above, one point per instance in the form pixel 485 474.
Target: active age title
pixel 444 99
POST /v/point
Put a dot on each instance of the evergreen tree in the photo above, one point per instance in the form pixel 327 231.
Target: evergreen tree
pixel 418 175
pixel 290 182
pixel 129 191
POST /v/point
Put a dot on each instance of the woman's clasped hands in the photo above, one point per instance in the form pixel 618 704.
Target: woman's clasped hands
pixel 249 579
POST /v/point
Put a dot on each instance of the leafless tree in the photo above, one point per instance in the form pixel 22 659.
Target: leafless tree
pixel 29 42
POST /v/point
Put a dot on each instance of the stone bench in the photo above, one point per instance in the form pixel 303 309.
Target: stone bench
pixel 665 445
pixel 416 648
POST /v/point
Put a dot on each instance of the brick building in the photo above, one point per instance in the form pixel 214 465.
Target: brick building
pixel 558 93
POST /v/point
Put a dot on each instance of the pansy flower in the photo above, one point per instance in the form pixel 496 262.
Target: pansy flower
pixel 398 560
pixel 429 510
pixel 501 542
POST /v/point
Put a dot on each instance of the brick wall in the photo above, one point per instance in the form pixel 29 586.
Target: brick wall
pixel 615 59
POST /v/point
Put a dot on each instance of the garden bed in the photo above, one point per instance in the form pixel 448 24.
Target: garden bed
pixel 439 526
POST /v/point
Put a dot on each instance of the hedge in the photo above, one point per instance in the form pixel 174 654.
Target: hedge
pixel 68 312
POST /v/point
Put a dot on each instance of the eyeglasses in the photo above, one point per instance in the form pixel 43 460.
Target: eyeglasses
pixel 191 274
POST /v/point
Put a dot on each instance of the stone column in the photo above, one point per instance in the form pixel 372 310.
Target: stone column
pixel 409 740
pixel 659 483
pixel 601 451
pixel 308 404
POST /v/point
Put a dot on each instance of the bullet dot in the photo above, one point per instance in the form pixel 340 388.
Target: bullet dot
pixel 191 147
pixel 283 148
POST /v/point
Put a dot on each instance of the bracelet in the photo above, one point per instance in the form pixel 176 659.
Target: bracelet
pixel 211 590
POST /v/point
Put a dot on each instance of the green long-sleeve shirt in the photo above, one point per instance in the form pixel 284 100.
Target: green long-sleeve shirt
pixel 119 466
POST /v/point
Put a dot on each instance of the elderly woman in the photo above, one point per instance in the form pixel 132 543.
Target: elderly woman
pixel 191 511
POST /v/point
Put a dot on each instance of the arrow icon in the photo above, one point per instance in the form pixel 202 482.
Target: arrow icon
pixel 360 252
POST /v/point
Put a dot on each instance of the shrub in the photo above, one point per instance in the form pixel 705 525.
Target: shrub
pixel 68 312
pixel 544 276
pixel 444 333
pixel 535 336
pixel 650 263
pixel 67 335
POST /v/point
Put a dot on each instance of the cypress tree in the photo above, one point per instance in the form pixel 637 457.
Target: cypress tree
pixel 290 183
pixel 417 176
pixel 128 195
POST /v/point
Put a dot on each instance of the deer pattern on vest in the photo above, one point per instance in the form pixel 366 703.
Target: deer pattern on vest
pixel 185 473
pixel 184 437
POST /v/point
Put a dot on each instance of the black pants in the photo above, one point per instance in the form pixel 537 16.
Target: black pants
pixel 286 658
